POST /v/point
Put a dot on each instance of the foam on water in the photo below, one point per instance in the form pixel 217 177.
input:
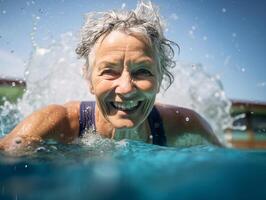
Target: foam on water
pixel 54 75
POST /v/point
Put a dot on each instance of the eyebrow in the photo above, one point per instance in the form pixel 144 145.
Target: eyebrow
pixel 107 63
pixel 145 61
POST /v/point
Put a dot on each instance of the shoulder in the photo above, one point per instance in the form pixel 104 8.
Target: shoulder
pixel 179 120
pixel 60 107
pixel 68 109
pixel 66 116
pixel 183 115
pixel 182 118
pixel 72 106
pixel 175 111
pixel 65 119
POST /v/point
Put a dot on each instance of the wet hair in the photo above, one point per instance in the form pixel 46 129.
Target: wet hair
pixel 144 21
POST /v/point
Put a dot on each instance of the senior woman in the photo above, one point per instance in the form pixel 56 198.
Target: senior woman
pixel 127 58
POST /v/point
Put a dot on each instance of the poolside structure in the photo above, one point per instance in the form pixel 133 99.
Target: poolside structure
pixel 249 123
pixel 11 89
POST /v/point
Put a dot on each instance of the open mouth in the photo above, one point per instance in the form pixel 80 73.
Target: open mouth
pixel 126 106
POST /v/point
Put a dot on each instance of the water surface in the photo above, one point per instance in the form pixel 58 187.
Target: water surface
pixel 133 170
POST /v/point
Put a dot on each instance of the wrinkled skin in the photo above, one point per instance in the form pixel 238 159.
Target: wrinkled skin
pixel 124 74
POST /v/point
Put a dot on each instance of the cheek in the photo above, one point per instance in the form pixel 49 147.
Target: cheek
pixel 100 87
pixel 148 85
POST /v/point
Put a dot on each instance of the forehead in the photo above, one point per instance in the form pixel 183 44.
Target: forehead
pixel 118 44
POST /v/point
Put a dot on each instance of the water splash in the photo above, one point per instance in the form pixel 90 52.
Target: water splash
pixel 53 75
pixel 196 89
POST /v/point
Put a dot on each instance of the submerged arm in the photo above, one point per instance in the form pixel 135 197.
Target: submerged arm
pixel 52 122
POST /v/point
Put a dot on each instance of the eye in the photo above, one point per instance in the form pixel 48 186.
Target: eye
pixel 109 73
pixel 142 73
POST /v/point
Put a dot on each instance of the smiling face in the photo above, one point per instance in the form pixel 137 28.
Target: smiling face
pixel 124 79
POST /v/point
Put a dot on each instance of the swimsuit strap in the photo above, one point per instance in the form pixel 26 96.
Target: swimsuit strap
pixel 86 117
pixel 87 121
pixel 156 126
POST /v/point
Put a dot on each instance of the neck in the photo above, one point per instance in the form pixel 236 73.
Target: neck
pixel 106 129
pixel 140 133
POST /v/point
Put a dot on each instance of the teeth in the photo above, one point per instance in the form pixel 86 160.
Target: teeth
pixel 127 105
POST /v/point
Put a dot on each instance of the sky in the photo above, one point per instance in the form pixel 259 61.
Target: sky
pixel 227 37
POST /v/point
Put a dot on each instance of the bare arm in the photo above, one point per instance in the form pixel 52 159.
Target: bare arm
pixel 178 121
pixel 57 122
pixel 201 126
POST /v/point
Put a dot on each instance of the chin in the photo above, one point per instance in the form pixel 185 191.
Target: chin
pixel 124 125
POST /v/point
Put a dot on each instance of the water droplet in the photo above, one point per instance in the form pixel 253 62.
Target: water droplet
pixel 53 147
pixel 199 99
pixel 243 69
pixel 216 94
pixel 13 84
pixel 17 140
pixel 234 34
pixel 261 84
pixel 40 149
pixel 4 12
pixel 224 10
pixel 123 5
pixel 187 119
pixel 26 166
pixel 177 112
pixel 174 16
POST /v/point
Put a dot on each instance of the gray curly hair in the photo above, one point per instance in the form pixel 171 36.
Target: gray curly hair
pixel 144 20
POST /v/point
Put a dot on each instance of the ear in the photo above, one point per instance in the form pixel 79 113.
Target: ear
pixel 91 87
pixel 159 86
pixel 91 90
pixel 86 76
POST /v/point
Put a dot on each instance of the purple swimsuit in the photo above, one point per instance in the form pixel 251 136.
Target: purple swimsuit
pixel 87 121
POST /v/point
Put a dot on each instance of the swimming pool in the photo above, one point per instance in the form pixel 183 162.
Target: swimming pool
pixel 133 170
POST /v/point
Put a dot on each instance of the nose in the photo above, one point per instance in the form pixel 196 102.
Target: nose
pixel 125 85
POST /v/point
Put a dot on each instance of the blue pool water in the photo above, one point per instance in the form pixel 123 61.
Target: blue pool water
pixel 133 170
